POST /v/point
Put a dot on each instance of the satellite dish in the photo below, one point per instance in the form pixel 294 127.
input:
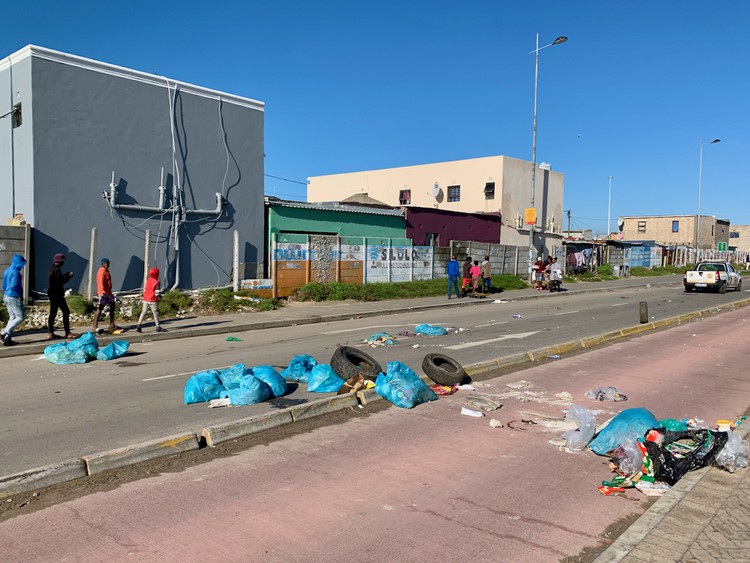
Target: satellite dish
pixel 435 190
pixel 620 222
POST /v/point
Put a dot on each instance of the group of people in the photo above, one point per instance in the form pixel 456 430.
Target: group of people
pixel 547 274
pixel 13 298
pixel 474 277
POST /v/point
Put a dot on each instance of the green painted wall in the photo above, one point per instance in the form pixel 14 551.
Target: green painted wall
pixel 314 221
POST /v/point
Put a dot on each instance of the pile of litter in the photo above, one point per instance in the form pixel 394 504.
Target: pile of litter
pixel 241 386
pixel 83 349
pixel 380 339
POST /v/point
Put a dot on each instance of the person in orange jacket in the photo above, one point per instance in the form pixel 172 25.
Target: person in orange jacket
pixel 106 297
pixel 150 298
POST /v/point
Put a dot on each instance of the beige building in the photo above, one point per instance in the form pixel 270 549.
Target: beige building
pixel 739 238
pixel 478 185
pixel 676 230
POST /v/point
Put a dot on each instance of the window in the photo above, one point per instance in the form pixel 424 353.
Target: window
pixel 641 226
pixel 17 116
pixel 404 197
pixel 454 193
pixel 675 226
pixel 489 190
pixel 734 234
pixel 431 239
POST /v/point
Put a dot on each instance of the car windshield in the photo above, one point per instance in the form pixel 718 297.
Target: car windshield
pixel 711 267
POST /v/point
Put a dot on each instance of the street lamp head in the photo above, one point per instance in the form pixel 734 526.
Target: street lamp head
pixel 716 141
pixel 561 39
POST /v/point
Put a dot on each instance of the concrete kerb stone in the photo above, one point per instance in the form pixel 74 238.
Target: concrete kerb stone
pixel 215 435
pixel 120 457
pixel 42 477
pixel 323 406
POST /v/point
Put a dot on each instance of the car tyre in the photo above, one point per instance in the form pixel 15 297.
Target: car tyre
pixel 739 286
pixel 443 370
pixel 689 288
pixel 723 288
pixel 349 362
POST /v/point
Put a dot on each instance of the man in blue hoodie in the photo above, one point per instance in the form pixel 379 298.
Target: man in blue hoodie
pixel 13 298
pixel 452 269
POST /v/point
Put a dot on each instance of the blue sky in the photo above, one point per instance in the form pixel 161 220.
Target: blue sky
pixel 352 86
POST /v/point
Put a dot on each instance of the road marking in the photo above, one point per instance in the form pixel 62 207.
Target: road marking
pixel 491 324
pixel 481 342
pixel 363 328
pixel 566 313
pixel 619 304
pixel 182 373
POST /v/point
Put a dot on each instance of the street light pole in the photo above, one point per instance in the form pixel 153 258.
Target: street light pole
pixel 561 39
pixel 609 207
pixel 700 183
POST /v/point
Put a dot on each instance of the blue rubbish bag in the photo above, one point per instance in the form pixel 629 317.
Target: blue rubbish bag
pixel 113 350
pixel 203 386
pixel 430 330
pixel 299 368
pixel 78 351
pixel 250 391
pixel 630 424
pixel 231 377
pixel 402 387
pixel 271 377
pixel 324 380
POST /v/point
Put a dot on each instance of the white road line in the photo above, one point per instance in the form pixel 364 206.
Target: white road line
pixel 364 328
pixel 481 342
pixel 491 324
pixel 619 304
pixel 182 373
pixel 566 313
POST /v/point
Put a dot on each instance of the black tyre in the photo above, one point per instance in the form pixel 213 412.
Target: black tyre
pixel 442 369
pixel 722 288
pixel 739 286
pixel 689 288
pixel 349 362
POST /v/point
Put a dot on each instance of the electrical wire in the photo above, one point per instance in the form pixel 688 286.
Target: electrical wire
pixel 285 179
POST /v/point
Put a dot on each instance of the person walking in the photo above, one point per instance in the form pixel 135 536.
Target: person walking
pixel 486 275
pixel 13 298
pixel 537 271
pixel 453 270
pixel 106 297
pixel 56 294
pixel 150 298
pixel 466 273
pixel 476 276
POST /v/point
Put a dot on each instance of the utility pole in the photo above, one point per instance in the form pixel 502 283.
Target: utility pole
pixel 568 214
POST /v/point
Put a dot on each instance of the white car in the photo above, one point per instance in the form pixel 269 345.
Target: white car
pixel 713 275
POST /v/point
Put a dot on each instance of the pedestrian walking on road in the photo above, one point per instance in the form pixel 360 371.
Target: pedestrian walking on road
pixel 13 298
pixel 486 275
pixel 476 276
pixel 56 294
pixel 106 297
pixel 453 270
pixel 150 299
pixel 466 273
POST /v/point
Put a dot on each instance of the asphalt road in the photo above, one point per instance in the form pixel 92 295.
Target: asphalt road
pixel 52 413
pixel 426 484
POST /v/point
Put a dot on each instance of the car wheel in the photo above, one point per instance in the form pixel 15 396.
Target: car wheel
pixel 723 288
pixel 349 362
pixel 739 286
pixel 443 370
pixel 689 288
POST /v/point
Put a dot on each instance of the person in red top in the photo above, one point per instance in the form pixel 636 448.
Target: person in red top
pixel 106 298
pixel 150 297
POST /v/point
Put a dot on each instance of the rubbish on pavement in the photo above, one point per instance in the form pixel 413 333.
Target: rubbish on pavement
pixel 628 457
pixel 352 385
pixel 233 339
pixel 430 330
pixel 564 396
pixel 483 402
pixel 324 380
pixel 231 377
pixel 684 451
pixel 608 491
pixel 528 421
pixel 299 368
pixel 606 394
pixel 495 423
pixel 586 423
pixel 652 488
pixel 234 382
pixel 443 370
pixel 113 350
pixel 215 403
pixel 443 390
pixel 465 387
pixel 501 301
pixel 734 454
pixel 271 377
pixel 724 425
pixel 469 412
pixel 554 357
pixel 347 362
pixel 78 351
pixel 672 424
pixel 517 316
pixel 521 384
pixel 203 386
pixel 381 339
pixel 416 346
pixel 558 443
pixel 402 387
pixel 629 424
pixel 250 391
pixel 510 425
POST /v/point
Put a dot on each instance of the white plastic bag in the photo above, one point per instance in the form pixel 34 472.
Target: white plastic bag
pixel 585 420
pixel 734 454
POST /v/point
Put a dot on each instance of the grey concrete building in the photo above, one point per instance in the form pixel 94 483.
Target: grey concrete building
pixel 85 144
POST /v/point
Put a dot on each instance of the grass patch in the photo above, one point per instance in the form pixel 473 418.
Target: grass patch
pixel 641 271
pixel 79 305
pixel 172 302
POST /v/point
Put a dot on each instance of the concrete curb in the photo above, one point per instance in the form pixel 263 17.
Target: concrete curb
pixel 214 435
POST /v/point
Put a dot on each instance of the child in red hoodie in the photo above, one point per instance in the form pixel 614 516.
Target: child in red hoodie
pixel 150 298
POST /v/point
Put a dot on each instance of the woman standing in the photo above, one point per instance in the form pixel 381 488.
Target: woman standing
pixel 56 294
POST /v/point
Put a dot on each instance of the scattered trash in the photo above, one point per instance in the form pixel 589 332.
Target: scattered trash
pixel 233 339
pixel 558 443
pixel 608 491
pixel 299 368
pixel 528 421
pixel 113 350
pixel 469 412
pixel 381 339
pixel 606 394
pixel 724 425
pixel 215 403
pixel 517 316
pixel 510 425
pixel 352 385
pixel 78 351
pixel 501 301
pixel 681 452
pixel 271 377
pixel 465 387
pixel 629 424
pixel 416 346
pixel 443 390
pixel 554 357
pixel 734 454
pixel 430 330
pixel 402 387
pixel 652 488
pixel 495 423
pixel 324 380
pixel 483 402
pixel 522 384
pixel 586 423
pixel 564 396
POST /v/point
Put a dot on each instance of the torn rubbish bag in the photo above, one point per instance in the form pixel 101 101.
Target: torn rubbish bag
pixel 402 387
pixel 670 466
pixel 299 368
pixel 630 424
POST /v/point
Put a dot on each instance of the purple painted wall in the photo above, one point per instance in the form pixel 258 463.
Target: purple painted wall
pixel 450 225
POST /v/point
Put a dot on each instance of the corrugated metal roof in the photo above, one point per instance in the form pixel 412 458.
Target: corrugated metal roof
pixel 335 206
